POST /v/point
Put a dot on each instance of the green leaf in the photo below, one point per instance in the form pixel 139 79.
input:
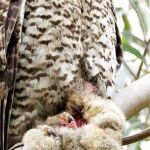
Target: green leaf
pixel 133 51
pixel 127 36
pixel 124 39
pixel 127 26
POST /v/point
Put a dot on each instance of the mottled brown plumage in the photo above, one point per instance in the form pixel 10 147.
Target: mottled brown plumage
pixel 9 24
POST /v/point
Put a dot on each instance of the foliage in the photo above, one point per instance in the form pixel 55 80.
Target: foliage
pixel 134 24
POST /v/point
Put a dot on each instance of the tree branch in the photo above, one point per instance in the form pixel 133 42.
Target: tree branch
pixel 135 97
pixel 131 100
pixel 141 65
pixel 129 70
pixel 136 137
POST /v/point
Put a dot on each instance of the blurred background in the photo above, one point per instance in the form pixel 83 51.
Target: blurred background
pixel 134 25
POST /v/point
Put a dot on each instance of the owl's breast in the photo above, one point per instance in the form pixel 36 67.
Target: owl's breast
pixel 49 54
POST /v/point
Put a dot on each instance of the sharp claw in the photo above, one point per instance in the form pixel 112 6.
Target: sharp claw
pixel 82 111
pixel 51 132
pixel 70 119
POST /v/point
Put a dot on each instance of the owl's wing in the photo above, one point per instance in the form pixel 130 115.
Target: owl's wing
pixel 103 54
pixel 4 5
pixel 9 35
pixel 118 47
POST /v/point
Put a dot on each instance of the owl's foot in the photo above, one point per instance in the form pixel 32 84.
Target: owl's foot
pixel 49 131
pixel 67 120
pixel 63 119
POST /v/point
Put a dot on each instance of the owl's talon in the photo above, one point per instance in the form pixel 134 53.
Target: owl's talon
pixel 70 119
pixel 66 117
pixel 51 132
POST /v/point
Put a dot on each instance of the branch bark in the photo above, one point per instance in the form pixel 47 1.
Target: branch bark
pixel 131 100
pixel 135 97
pixel 136 137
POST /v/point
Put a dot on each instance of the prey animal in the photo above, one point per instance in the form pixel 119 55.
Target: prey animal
pixel 88 122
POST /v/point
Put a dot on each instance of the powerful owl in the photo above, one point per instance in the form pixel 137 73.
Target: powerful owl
pixel 45 47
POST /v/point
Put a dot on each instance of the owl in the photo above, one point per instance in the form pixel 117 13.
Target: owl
pixel 49 45
pixel 92 122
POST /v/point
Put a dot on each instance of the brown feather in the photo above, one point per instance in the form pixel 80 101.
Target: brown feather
pixel 7 75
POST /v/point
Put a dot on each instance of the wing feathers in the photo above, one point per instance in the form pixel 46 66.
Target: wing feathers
pixel 7 75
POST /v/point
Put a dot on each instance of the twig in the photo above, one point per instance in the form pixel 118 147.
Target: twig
pixel 144 31
pixel 135 138
pixel 129 70
pixel 139 17
pixel 141 65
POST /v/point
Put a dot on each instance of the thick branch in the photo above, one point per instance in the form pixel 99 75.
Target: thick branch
pixel 135 97
pixel 131 100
